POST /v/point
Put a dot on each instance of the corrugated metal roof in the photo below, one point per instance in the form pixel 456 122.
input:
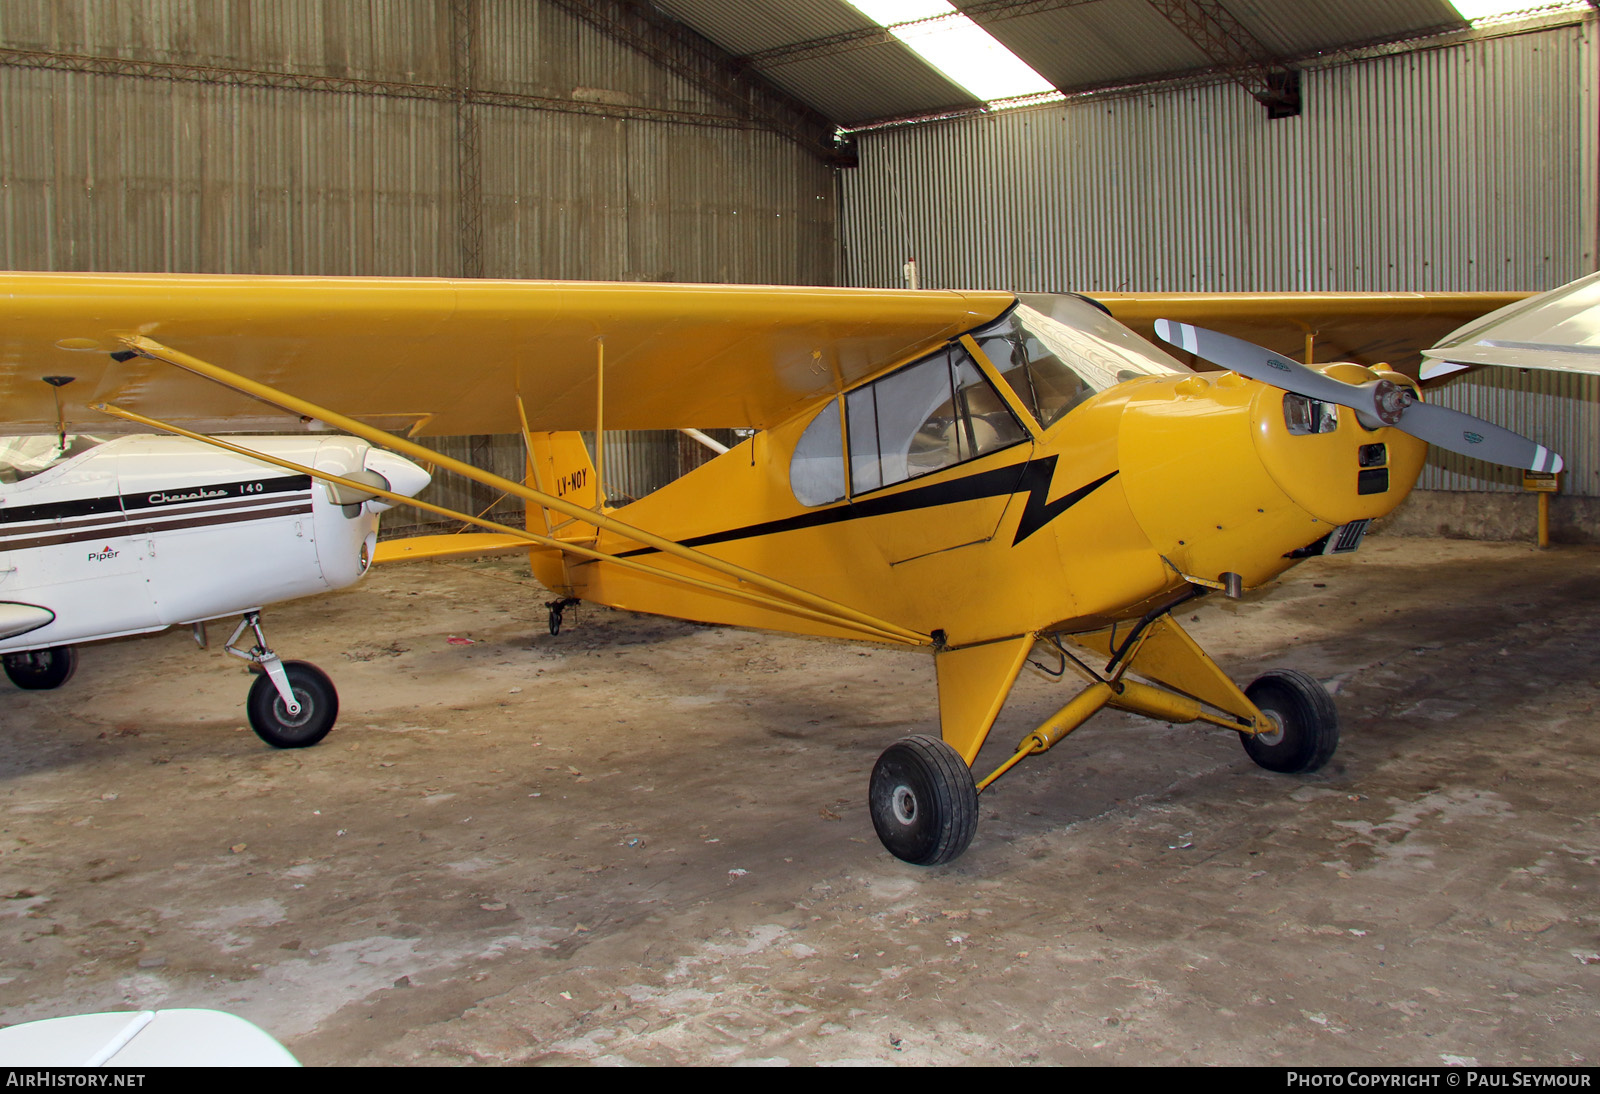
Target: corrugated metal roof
pixel 824 53
pixel 1093 44
pixel 861 77
pixel 753 26
pixel 1292 28
pixel 881 81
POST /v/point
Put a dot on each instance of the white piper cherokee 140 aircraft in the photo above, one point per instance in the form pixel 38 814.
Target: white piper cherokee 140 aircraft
pixel 100 539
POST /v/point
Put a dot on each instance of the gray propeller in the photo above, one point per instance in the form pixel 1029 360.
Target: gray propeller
pixel 1378 402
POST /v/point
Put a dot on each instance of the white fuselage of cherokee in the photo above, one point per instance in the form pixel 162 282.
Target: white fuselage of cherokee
pixel 143 532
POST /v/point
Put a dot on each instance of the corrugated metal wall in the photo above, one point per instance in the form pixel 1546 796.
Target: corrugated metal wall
pixel 120 173
pixel 629 173
pixel 1468 167
pixel 348 152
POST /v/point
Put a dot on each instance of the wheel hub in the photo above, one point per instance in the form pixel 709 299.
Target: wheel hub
pixel 904 803
pixel 1273 734
pixel 293 721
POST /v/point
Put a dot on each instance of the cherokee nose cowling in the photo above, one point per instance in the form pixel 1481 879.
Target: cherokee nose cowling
pixel 384 471
pixel 1229 475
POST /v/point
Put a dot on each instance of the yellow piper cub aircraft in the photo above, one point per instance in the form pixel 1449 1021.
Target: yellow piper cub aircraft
pixel 967 472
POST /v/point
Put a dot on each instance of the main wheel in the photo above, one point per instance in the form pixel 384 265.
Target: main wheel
pixel 319 706
pixel 41 670
pixel 923 800
pixel 1305 723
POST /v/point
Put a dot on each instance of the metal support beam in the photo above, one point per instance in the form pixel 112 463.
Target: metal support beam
pixel 1240 54
pixel 220 75
pixel 681 51
pixel 469 159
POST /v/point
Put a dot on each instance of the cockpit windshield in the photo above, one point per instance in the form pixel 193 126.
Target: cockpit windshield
pixel 1058 354
pixel 24 457
pixel 939 411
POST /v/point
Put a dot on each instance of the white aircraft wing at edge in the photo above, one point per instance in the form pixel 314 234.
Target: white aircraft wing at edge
pixel 1557 330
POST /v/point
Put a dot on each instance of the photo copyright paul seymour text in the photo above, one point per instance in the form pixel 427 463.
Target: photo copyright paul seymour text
pixel 1453 1077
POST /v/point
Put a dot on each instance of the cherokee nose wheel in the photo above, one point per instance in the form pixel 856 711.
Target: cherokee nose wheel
pixel 39 670
pixel 269 715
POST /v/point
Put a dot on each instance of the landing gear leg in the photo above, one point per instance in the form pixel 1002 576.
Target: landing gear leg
pixel 292 704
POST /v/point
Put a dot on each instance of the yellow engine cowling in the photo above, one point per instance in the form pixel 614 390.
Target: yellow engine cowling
pixel 1219 483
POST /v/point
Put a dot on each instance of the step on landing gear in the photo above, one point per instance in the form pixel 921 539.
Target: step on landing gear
pixel 293 703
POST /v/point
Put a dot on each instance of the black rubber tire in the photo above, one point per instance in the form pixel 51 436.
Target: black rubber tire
pixel 41 670
pixel 1306 717
pixel 319 707
pixel 924 803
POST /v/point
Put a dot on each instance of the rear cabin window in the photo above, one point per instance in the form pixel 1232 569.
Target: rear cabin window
pixel 816 474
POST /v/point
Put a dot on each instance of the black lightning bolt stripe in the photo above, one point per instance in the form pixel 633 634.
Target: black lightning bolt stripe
pixel 1037 512
pixel 1034 477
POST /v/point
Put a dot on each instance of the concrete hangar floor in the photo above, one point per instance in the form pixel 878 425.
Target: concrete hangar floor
pixel 646 842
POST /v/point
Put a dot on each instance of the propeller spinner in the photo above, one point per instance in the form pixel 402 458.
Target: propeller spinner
pixel 1378 402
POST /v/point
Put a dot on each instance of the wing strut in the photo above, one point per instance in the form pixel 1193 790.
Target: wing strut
pixel 531 463
pixel 803 602
pixel 600 427
pixel 533 538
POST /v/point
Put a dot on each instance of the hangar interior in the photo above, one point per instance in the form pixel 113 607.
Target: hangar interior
pixel 769 143
pixel 1177 145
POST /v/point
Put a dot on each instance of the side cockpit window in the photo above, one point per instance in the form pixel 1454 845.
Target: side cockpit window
pixel 935 414
pixel 930 415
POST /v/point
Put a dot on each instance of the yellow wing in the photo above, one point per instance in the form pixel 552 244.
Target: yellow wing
pixel 446 356
pixel 443 357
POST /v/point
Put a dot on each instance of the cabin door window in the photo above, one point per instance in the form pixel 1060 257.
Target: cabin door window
pixel 935 414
